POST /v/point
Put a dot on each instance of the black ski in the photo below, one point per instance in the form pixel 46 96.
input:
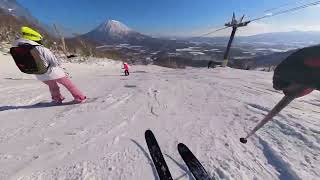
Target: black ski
pixel 193 163
pixel 157 157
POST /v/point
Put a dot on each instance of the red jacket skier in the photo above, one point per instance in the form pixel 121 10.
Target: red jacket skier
pixel 126 68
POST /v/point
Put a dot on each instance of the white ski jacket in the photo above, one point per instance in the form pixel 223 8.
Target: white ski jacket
pixel 54 70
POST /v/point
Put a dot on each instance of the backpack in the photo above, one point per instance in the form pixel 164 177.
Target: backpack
pixel 28 59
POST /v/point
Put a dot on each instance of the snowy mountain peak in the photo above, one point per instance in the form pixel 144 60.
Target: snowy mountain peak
pixel 114 32
pixel 13 7
pixel 114 27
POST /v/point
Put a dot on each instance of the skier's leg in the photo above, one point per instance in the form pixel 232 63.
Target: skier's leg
pixel 76 93
pixel 54 90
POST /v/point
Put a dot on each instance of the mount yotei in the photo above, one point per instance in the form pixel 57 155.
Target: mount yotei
pixel 114 32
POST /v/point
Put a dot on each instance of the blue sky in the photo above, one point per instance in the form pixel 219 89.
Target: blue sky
pixel 170 17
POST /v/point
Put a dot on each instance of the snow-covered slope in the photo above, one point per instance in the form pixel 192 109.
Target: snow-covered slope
pixel 208 110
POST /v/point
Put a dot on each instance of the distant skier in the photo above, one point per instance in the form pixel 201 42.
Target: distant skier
pixel 297 76
pixel 32 57
pixel 126 69
pixel 214 63
pixel 209 64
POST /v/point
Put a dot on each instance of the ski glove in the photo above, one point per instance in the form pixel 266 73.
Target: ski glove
pixel 300 69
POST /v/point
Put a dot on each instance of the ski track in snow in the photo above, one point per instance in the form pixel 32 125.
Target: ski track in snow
pixel 208 110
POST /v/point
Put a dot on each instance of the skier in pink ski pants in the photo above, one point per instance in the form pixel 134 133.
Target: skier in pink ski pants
pixel 55 74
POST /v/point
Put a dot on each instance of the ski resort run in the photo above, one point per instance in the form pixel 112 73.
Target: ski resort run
pixel 206 109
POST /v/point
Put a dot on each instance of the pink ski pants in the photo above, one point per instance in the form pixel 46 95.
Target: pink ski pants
pixel 66 82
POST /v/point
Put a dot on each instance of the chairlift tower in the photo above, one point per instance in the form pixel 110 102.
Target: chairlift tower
pixel 235 24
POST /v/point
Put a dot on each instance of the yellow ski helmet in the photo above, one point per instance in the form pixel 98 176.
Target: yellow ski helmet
pixel 30 34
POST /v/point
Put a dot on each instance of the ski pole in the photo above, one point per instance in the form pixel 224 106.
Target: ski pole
pixel 281 104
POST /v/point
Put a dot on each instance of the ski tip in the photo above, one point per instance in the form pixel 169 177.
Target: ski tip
pixel 243 140
pixel 183 148
pixel 148 132
pixel 181 145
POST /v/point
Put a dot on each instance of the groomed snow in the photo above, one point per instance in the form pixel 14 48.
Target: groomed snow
pixel 208 110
